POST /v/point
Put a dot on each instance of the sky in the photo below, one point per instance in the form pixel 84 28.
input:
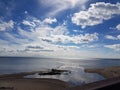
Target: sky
pixel 60 28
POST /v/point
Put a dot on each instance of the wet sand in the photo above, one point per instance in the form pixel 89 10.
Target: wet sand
pixel 108 84
pixel 17 82
pixel 109 72
pixel 32 84
pixel 112 81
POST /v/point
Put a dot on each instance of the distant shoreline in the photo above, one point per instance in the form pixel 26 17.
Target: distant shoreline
pixel 57 58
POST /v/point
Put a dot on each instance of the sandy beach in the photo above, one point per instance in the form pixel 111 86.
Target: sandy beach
pixel 112 81
pixel 109 72
pixel 18 82
pixel 32 84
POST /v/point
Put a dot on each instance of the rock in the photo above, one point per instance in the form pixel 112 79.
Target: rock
pixel 55 72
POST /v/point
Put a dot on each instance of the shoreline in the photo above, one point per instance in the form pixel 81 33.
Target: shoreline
pixel 46 72
pixel 109 72
pixel 18 75
pixel 17 80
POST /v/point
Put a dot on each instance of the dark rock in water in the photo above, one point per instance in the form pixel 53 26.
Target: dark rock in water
pixel 56 72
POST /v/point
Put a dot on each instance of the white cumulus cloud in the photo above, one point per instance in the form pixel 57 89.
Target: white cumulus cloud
pixel 118 27
pixel 28 23
pixel 78 39
pixel 50 20
pixel 115 47
pixel 112 37
pixel 6 25
pixel 96 14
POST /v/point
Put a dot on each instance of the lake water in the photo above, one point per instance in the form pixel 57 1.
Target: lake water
pixel 76 66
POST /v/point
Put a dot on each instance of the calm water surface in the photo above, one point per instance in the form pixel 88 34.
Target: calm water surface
pixel 77 76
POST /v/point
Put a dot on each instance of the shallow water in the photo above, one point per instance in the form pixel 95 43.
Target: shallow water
pixel 76 77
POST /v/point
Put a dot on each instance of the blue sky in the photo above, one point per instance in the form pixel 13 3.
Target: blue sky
pixel 60 28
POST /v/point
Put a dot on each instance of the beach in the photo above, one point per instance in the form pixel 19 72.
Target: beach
pixel 109 72
pixel 112 81
pixel 18 82
pixel 32 84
